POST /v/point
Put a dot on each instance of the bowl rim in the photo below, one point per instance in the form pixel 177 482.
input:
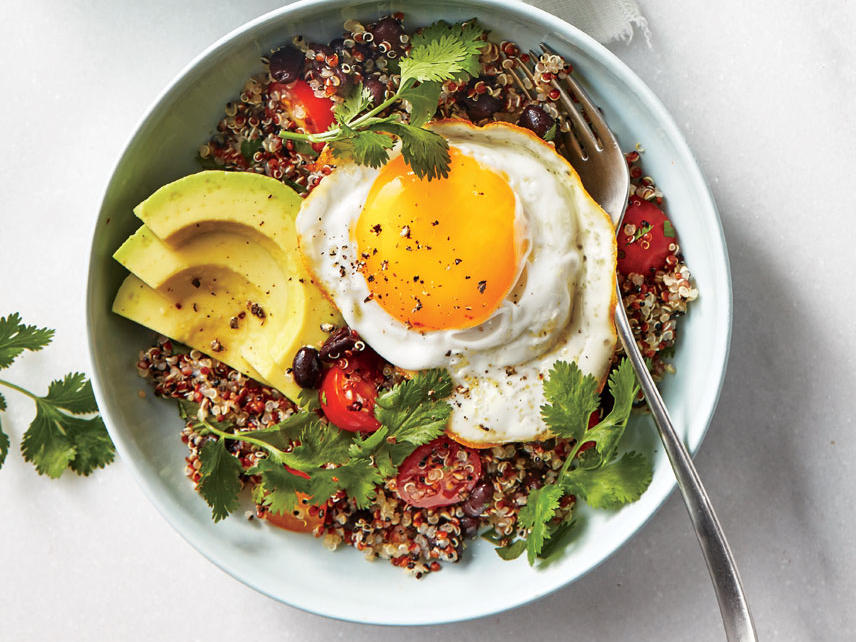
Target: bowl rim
pixel 628 78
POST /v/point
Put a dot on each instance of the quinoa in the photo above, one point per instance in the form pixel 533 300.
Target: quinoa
pixel 418 540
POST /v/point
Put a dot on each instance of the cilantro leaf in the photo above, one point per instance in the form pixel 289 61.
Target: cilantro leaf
pixel 364 147
pixel 358 101
pixel 572 397
pixel 613 485
pixel 425 151
pixel 423 101
pixel 92 444
pixel 559 537
pixel 357 478
pixel 307 399
pixel 279 487
pixel 413 410
pixel 284 433
pixel 249 148
pixel 668 229
pixel 72 393
pixel 323 484
pixel 15 337
pixel 320 443
pixel 623 388
pixel 535 516
pixel 442 53
pixel 365 446
pixel 550 134
pixel 512 550
pixel 220 478
pixel 46 442
pixel 4 439
pixel 2 402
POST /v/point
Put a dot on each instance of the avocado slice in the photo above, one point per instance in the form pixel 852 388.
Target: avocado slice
pixel 221 248
pixel 138 302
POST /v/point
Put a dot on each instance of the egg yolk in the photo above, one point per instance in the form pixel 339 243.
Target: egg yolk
pixel 439 254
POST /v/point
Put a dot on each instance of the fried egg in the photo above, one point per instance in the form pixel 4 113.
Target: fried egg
pixel 494 273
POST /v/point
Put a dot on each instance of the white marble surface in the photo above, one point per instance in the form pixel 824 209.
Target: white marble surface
pixel 764 92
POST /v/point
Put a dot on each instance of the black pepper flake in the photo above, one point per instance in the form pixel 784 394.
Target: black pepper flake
pixel 178 306
pixel 415 278
pixel 256 310
pixel 370 278
pixel 233 323
pixel 457 261
pixel 195 308
pixel 376 228
pixel 482 285
pixel 216 346
pixel 435 223
pixel 196 282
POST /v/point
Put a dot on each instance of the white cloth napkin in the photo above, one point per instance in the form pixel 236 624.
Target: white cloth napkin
pixel 603 20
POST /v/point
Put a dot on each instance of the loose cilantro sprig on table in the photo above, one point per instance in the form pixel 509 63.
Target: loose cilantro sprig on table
pixel 60 436
pixel 439 52
pixel 308 455
pixel 598 477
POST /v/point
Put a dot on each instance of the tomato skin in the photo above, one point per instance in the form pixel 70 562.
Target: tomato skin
pixel 318 111
pixel 301 522
pixel 411 484
pixel 648 253
pixel 348 393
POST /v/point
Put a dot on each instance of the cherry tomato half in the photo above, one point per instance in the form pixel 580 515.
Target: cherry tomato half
pixel 349 390
pixel 312 113
pixel 299 520
pixel 644 251
pixel 438 473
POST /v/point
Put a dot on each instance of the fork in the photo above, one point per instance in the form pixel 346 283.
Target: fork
pixel 591 148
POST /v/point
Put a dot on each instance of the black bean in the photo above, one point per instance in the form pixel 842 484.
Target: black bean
pixel 286 64
pixel 536 119
pixel 377 89
pixel 341 340
pixel 388 30
pixel 469 526
pixel 478 499
pixel 307 368
pixel 338 47
pixel 482 106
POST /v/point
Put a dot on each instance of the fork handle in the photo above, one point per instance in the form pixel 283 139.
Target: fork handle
pixel 717 554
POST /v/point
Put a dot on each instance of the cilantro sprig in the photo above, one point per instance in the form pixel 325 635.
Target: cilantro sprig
pixel 308 455
pixel 361 133
pixel 67 432
pixel 596 475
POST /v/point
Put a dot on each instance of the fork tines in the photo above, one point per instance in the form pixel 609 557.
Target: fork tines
pixel 578 133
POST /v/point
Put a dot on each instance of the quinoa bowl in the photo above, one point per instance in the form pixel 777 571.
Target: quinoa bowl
pixel 292 567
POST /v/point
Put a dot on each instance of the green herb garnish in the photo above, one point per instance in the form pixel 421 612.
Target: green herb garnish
pixel 440 52
pixel 597 476
pixel 64 434
pixel 309 455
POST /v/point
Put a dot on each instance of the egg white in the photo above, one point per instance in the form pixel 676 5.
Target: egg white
pixel 561 307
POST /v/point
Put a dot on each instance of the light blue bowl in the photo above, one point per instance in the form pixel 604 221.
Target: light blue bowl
pixel 296 568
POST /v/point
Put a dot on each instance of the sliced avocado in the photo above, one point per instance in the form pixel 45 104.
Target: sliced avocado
pixel 225 242
pixel 137 301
